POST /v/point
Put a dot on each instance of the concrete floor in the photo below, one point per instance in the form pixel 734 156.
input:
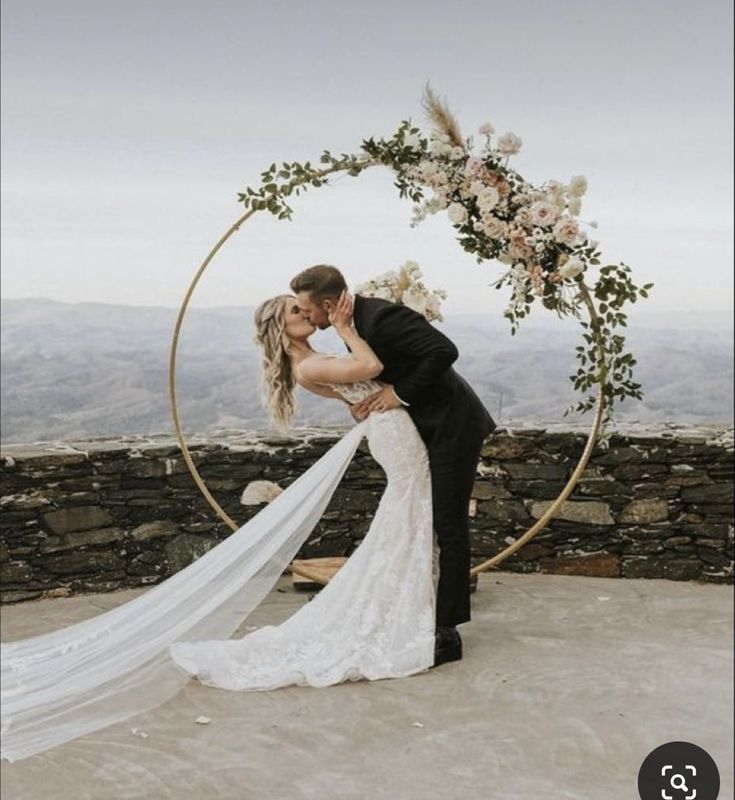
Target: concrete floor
pixel 566 685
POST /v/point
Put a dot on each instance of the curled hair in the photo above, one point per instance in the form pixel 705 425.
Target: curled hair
pixel 277 378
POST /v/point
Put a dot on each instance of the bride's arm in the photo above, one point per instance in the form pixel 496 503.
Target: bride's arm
pixel 361 365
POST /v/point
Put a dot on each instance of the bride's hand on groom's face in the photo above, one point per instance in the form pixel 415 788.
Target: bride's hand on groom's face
pixel 340 315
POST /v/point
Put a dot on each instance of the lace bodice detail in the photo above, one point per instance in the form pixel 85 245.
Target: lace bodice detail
pixel 357 391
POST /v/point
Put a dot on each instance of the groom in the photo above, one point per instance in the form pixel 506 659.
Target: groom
pixel 450 418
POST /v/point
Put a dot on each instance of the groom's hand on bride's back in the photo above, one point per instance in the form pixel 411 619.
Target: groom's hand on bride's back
pixel 356 415
pixel 384 400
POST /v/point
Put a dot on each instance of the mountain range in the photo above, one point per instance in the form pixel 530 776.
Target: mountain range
pixel 77 370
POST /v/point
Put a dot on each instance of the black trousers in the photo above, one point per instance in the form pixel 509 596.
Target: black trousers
pixel 451 489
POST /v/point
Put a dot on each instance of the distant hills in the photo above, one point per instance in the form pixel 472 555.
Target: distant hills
pixel 92 369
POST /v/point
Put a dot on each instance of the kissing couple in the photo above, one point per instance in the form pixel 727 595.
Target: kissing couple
pixel 393 608
pixel 390 611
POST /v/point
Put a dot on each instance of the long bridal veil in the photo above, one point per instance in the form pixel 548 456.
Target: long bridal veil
pixel 66 683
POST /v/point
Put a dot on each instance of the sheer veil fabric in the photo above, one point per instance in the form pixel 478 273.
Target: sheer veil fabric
pixel 67 683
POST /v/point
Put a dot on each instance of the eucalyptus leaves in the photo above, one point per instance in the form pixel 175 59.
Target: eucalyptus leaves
pixel 535 231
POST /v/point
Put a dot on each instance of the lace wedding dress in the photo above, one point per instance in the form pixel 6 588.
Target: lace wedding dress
pixel 375 618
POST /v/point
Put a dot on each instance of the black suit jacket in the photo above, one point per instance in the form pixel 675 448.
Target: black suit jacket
pixel 417 360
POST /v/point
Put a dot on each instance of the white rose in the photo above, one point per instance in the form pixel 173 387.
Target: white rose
pixel 457 152
pixel 571 268
pixel 543 213
pixel 488 198
pixel 413 140
pixel 440 147
pixel 566 231
pixel 415 300
pixel 457 213
pixel 577 186
pixel 575 206
pixel 509 144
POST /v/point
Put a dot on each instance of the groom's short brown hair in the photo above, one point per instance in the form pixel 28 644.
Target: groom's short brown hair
pixel 320 281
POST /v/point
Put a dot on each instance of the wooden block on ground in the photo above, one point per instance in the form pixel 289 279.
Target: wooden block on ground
pixel 325 568
pixel 328 567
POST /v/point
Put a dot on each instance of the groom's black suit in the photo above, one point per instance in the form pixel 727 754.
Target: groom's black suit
pixel 451 420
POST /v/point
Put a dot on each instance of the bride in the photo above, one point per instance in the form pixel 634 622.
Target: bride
pixel 374 619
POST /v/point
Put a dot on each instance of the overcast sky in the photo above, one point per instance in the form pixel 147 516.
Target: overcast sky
pixel 128 129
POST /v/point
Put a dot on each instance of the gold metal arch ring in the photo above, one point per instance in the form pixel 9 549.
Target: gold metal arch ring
pixel 491 563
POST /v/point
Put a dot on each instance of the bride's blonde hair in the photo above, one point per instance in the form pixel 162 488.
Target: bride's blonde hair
pixel 277 378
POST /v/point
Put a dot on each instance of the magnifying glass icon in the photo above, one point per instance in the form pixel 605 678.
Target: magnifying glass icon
pixel 681 785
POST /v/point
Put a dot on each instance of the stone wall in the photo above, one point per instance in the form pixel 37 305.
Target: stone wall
pixel 103 514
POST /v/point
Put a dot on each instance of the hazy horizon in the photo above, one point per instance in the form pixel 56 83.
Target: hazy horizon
pixel 97 368
pixel 129 130
pixel 718 317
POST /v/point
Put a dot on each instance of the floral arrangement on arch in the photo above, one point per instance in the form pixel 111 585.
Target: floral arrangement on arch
pixel 498 213
pixel 404 286
pixel 534 231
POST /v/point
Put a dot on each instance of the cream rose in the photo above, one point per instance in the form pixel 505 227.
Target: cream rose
pixel 519 247
pixel 577 186
pixel 509 144
pixel 427 168
pixel 543 213
pixel 416 300
pixel 488 198
pixel 571 268
pixel 457 213
pixel 493 227
pixel 432 305
pixel 566 231
pixel 473 166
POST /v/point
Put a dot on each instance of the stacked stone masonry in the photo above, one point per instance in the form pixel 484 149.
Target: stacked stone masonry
pixel 104 514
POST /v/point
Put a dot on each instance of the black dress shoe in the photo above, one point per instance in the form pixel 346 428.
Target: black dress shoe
pixel 447 646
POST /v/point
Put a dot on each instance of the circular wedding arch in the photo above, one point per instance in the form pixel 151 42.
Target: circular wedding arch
pixel 490 563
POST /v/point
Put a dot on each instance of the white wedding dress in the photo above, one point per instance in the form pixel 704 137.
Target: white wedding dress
pixel 374 619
